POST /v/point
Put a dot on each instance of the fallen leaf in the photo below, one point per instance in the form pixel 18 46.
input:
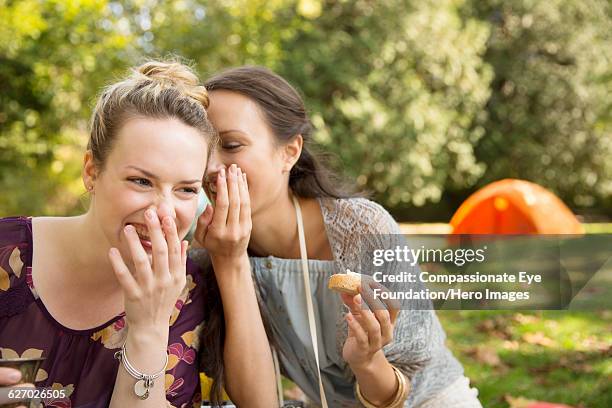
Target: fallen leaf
pixel 517 402
pixel 525 319
pixel 485 355
pixel 538 338
pixel 511 345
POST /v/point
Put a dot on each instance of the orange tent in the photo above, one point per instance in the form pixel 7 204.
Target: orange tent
pixel 514 207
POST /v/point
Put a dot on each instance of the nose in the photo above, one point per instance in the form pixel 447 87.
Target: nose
pixel 215 164
pixel 165 207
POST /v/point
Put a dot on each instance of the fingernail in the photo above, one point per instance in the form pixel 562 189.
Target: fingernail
pixel 358 299
pixel 239 171
pixel 14 375
pixel 222 173
pixel 149 214
pixel 128 228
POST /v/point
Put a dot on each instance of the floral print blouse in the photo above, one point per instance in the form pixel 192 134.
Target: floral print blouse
pixel 82 362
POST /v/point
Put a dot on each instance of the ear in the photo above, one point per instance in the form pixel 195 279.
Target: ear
pixel 291 152
pixel 90 171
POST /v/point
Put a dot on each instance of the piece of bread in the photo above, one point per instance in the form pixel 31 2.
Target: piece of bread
pixel 345 283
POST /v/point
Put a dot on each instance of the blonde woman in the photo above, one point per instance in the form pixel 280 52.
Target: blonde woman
pixel 109 298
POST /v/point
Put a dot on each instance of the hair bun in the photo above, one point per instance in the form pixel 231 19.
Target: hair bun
pixel 175 74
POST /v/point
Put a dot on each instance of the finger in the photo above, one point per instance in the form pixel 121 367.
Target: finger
pixel 204 221
pixel 9 376
pixel 392 305
pixel 245 202
pixel 386 327
pixel 371 298
pixel 354 303
pixel 221 202
pixel 372 328
pixel 140 259
pixel 184 247
pixel 360 335
pixel 233 216
pixel 158 241
pixel 123 274
pixel 174 244
pixel 364 317
pixel 347 300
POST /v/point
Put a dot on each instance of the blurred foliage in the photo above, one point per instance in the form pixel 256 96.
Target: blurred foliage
pixel 417 100
pixel 54 57
pixel 394 88
pixel 550 112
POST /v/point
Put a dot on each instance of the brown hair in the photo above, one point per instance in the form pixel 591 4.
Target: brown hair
pixel 155 89
pixel 284 112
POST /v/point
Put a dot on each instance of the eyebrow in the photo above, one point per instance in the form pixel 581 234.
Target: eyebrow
pixel 231 131
pixel 153 176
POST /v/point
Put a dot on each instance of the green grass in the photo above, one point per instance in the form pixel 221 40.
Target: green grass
pixel 554 356
pixel 598 228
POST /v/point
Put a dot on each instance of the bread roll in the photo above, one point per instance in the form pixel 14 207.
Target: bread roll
pixel 345 283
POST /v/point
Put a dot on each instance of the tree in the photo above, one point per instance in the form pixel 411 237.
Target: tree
pixel 394 88
pixel 550 111
pixel 54 56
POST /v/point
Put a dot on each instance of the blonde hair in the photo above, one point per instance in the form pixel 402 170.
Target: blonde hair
pixel 155 89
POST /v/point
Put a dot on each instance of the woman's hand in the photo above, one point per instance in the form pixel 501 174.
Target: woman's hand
pixel 10 376
pixel 225 229
pixel 152 288
pixel 369 330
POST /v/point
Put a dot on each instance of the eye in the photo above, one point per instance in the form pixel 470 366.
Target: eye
pixel 231 145
pixel 143 182
pixel 190 190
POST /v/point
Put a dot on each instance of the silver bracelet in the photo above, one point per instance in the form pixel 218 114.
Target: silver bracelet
pixel 143 381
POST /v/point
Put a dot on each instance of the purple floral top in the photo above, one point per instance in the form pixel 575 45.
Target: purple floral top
pixel 82 361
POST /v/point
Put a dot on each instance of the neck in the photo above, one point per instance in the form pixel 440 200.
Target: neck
pixel 275 230
pixel 89 252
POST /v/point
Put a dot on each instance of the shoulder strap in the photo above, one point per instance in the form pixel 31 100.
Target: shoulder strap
pixel 279 384
pixel 308 292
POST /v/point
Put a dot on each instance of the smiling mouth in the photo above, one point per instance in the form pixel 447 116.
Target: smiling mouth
pixel 143 235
